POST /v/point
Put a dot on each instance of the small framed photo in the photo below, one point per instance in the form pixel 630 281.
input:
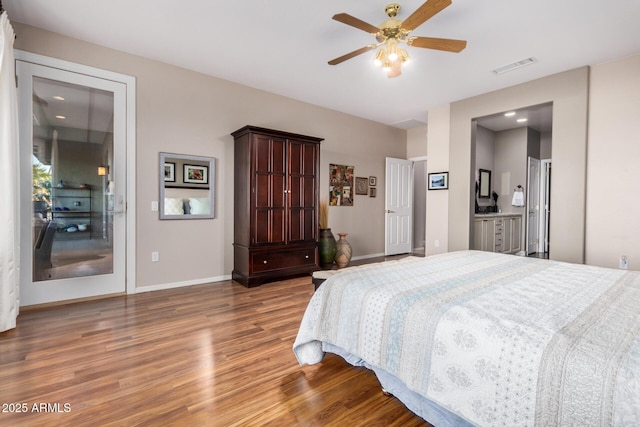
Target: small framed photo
pixel 439 181
pixel 196 174
pixel 372 181
pixel 169 172
pixel 372 192
pixel 362 186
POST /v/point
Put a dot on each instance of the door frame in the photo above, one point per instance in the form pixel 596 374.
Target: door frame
pixel 130 131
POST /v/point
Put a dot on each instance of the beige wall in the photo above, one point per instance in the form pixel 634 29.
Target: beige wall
pixel 595 208
pixel 436 229
pixel 485 159
pixel 417 142
pixel 181 111
pixel 569 93
pixel 510 164
pixel 613 167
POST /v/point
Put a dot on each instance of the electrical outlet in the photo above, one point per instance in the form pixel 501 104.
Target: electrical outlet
pixel 624 262
pixel 155 257
pixel 436 243
pixel 154 205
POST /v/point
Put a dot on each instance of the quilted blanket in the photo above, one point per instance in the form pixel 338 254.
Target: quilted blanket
pixel 496 339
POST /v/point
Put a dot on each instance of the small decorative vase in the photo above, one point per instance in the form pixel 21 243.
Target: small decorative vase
pixel 343 251
pixel 326 248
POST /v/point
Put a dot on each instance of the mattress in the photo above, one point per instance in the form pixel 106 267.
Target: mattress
pixel 489 339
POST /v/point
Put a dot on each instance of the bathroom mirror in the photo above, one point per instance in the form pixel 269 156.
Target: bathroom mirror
pixel 485 184
pixel 186 187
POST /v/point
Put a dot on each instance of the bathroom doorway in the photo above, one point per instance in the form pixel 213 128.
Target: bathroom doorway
pixel 503 143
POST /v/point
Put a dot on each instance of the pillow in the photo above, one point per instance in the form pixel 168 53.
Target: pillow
pixel 199 206
pixel 173 206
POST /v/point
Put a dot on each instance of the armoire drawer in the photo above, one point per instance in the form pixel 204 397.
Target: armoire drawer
pixel 276 260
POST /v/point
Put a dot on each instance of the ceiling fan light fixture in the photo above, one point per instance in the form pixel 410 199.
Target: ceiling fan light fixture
pixel 404 57
pixel 379 59
pixel 392 49
pixel 393 32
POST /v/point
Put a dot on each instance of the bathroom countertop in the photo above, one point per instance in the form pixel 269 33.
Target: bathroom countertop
pixel 490 214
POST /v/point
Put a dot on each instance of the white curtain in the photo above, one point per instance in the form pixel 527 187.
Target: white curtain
pixel 9 188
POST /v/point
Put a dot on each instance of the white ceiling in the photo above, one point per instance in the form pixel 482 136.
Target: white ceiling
pixel 283 46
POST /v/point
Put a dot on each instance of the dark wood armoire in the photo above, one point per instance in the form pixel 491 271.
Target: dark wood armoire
pixel 276 204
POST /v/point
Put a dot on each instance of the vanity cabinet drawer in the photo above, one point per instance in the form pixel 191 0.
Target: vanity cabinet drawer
pixel 276 260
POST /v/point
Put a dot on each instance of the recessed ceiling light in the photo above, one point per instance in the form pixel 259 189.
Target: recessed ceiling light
pixel 59 98
pixel 522 120
pixel 510 113
pixel 61 117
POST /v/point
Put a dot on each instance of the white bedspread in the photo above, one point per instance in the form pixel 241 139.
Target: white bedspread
pixel 495 339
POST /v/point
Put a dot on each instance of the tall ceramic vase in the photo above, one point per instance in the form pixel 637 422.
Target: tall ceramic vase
pixel 326 248
pixel 343 251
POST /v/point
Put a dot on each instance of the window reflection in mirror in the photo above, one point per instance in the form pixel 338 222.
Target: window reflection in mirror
pixel 186 186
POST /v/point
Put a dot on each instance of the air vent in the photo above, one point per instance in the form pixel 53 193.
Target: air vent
pixel 515 65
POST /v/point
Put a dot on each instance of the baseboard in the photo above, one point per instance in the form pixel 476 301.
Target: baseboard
pixel 356 258
pixel 172 285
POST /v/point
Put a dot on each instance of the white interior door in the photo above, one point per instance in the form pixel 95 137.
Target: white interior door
pixel 533 204
pixel 72 184
pixel 398 206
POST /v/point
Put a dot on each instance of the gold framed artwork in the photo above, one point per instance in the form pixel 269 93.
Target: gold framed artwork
pixel 362 186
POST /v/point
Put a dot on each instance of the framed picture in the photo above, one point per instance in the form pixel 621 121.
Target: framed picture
pixel 439 181
pixel 340 185
pixel 372 192
pixel 169 172
pixel 362 186
pixel 372 181
pixel 196 174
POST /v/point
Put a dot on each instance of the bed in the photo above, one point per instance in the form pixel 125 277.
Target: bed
pixel 486 339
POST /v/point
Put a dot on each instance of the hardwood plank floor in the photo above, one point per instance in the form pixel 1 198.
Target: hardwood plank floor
pixel 208 355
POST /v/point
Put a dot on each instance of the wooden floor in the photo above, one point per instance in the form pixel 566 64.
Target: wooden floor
pixel 207 355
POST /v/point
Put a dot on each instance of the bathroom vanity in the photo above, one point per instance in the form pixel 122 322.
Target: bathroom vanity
pixel 498 232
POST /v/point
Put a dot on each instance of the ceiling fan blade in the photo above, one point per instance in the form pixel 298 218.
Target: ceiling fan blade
pixel 345 18
pixel 424 12
pixel 450 45
pixel 352 54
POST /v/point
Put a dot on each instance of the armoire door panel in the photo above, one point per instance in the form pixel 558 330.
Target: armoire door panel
pixel 277 226
pixel 302 225
pixel 295 191
pixel 278 156
pixel 309 191
pixel 261 226
pixel 295 158
pixel 296 221
pixel 269 226
pixel 309 159
pixel 262 154
pixel 278 188
pixel 262 190
pixel 310 225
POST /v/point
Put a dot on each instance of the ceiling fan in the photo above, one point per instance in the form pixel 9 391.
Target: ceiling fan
pixel 392 32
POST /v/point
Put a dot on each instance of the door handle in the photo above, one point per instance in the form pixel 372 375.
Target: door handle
pixel 390 211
